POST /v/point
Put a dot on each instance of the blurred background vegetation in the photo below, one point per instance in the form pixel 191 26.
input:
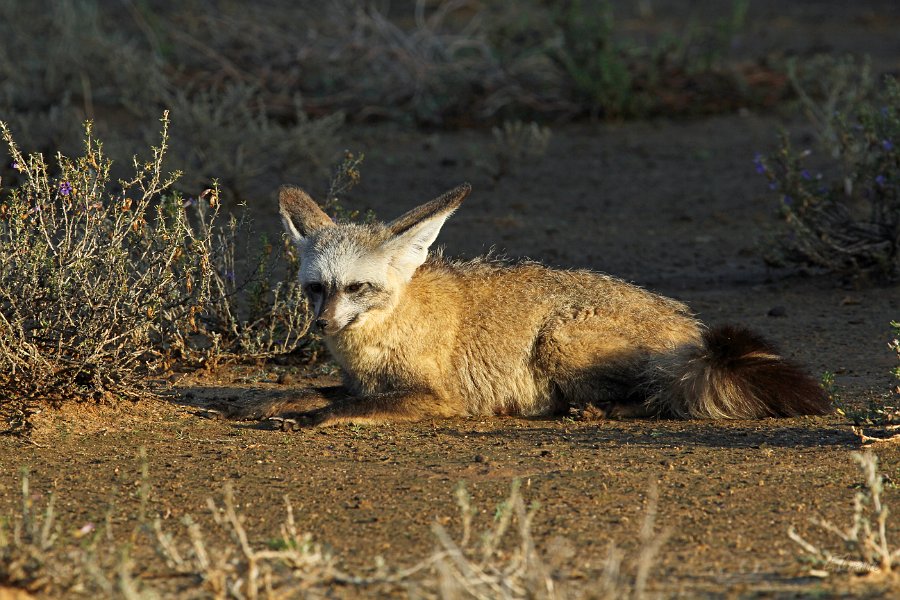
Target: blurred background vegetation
pixel 261 92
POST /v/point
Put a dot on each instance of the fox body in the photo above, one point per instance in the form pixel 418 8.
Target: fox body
pixel 419 336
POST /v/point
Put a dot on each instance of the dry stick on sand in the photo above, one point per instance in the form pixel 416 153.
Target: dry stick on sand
pixel 869 439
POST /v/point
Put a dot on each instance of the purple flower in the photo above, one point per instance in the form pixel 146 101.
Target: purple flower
pixel 229 275
pixel 805 174
pixel 773 185
pixel 65 188
pixel 758 161
pixel 189 202
pixel 787 200
pixel 14 165
pixel 880 180
pixel 887 145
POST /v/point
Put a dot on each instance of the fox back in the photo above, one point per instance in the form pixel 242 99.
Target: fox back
pixel 418 335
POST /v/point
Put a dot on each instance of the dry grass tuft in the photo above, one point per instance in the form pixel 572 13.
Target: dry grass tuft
pixel 25 541
pixel 503 562
pixel 865 545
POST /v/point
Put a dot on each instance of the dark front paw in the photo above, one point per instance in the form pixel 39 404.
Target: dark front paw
pixel 591 412
pixel 298 421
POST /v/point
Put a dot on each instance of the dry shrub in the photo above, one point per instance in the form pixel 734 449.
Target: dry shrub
pixel 843 217
pixel 94 274
pixel 61 63
pixel 865 543
pixel 105 282
pixel 226 135
pixel 113 63
pixel 258 92
pixel 255 308
pixel 456 62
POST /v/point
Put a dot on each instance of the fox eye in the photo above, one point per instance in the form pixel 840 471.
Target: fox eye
pixel 353 288
pixel 314 288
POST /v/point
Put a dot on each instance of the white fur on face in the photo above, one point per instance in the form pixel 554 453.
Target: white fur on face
pixel 338 265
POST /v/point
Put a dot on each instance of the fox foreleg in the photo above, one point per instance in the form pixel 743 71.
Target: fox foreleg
pixel 374 409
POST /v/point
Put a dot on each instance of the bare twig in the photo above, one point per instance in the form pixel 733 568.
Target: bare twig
pixel 867 540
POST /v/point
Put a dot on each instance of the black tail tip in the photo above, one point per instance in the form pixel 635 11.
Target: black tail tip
pixel 754 364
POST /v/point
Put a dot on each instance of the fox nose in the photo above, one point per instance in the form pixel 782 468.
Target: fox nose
pixel 321 323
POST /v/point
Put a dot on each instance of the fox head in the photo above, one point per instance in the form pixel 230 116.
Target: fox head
pixel 351 271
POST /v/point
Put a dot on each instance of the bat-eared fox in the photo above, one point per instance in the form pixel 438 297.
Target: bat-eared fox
pixel 419 336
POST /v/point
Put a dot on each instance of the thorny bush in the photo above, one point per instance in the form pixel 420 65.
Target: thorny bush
pixel 104 282
pixel 92 276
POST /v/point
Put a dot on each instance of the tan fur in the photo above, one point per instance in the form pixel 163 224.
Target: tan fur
pixel 446 338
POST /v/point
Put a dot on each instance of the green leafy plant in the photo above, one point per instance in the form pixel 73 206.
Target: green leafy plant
pixel 600 77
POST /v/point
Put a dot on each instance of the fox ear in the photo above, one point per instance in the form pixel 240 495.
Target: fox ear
pixel 414 232
pixel 300 214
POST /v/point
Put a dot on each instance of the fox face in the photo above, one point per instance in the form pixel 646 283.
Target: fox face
pixel 351 272
pixel 345 275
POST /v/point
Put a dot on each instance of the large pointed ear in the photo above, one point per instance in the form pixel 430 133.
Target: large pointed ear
pixel 300 214
pixel 414 232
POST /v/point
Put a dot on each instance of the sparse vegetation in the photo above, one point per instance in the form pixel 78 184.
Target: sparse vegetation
pixel 199 563
pixel 26 540
pixel 866 547
pixel 115 273
pixel 254 97
pixel 95 275
pixel 894 345
pixel 516 144
pixel 105 282
pixel 842 214
pixel 241 142
pixel 880 419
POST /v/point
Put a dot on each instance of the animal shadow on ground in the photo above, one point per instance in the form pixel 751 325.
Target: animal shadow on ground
pixel 800 432
pixel 254 406
pixel 259 406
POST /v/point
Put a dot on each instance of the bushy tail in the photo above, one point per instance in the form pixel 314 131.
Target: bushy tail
pixel 733 374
